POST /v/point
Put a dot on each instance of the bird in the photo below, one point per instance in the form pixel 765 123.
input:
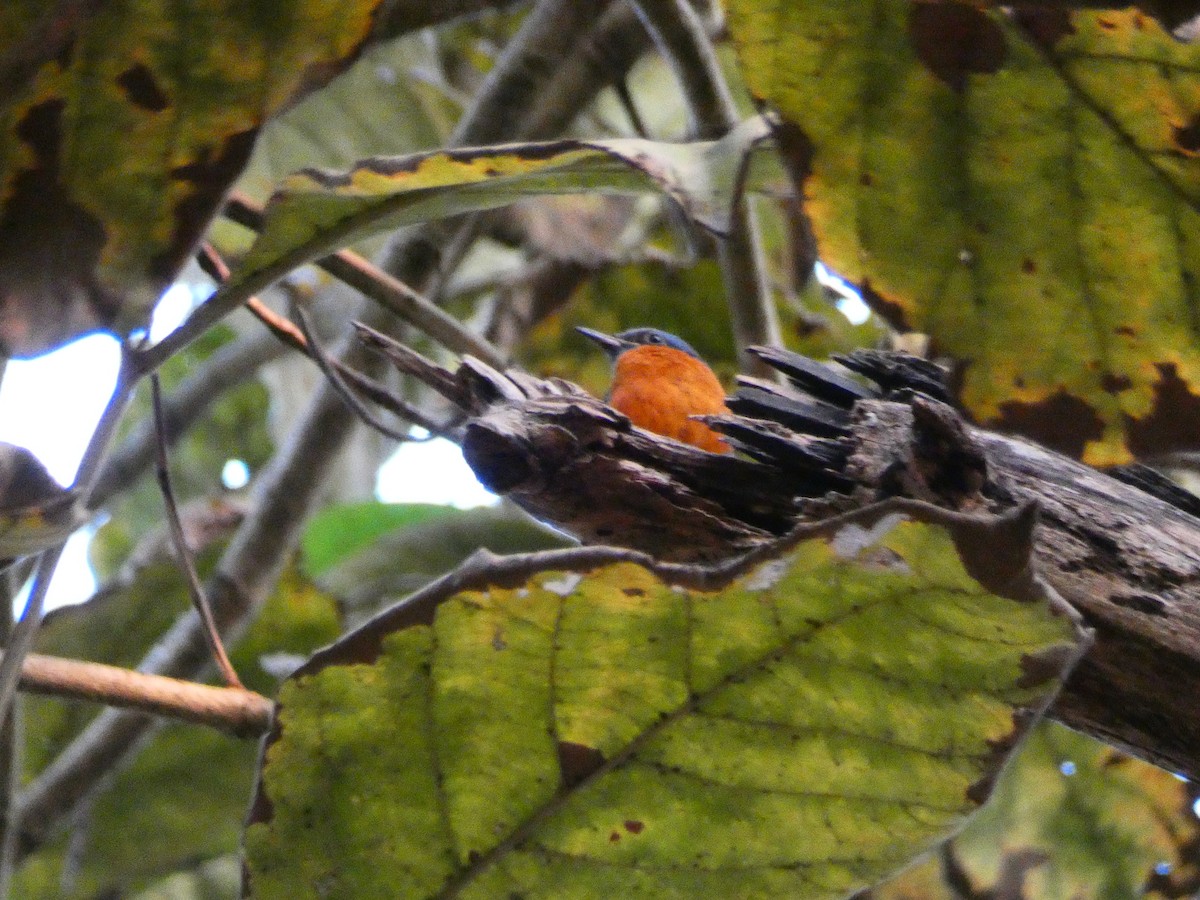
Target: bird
pixel 659 382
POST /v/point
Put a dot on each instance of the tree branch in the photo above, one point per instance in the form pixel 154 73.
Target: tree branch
pixel 680 36
pixel 408 305
pixel 228 367
pixel 236 710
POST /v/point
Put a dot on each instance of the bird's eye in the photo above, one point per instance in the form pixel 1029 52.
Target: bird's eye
pixel 654 339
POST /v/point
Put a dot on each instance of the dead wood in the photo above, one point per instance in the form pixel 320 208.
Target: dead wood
pixel 1126 555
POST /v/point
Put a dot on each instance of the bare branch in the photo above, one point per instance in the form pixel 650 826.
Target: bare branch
pixel 301 338
pixel 229 366
pixel 329 368
pixel 390 292
pixel 12 745
pixel 233 709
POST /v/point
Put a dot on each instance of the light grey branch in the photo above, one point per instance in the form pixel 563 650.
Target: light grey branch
pixel 235 710
pixel 681 37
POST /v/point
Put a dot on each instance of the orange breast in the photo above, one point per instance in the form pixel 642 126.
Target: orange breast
pixel 660 387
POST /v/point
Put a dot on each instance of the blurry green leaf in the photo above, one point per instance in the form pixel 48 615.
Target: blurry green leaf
pixel 804 731
pixel 216 879
pixel 340 531
pixel 1024 186
pixel 120 135
pixel 433 541
pixel 1070 818
pixel 383 104
pixel 1102 820
pixel 377 106
pixel 315 212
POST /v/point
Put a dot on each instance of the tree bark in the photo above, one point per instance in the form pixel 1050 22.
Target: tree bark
pixel 1124 557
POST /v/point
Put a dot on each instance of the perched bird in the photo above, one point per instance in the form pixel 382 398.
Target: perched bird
pixel 659 381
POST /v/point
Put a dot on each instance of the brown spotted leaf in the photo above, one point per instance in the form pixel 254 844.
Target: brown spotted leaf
pixel 584 727
pixel 317 211
pixel 1023 186
pixel 121 127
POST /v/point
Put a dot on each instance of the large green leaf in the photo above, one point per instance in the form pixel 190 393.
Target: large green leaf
pixel 802 732
pixel 1024 186
pixel 121 127
pixel 315 212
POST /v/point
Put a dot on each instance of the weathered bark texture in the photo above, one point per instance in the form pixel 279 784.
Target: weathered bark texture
pixel 1126 558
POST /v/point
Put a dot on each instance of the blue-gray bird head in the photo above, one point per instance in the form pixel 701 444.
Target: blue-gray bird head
pixel 615 345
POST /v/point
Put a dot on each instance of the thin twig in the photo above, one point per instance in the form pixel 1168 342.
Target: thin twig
pixel 12 751
pixel 195 589
pixel 329 369
pixel 284 329
pixel 229 366
pixel 390 292
pixel 621 86
pixel 301 338
pixel 233 709
pixel 21 638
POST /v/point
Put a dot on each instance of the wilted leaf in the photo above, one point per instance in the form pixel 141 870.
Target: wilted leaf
pixel 1022 185
pixel 36 513
pixel 802 732
pixel 315 212
pixel 120 135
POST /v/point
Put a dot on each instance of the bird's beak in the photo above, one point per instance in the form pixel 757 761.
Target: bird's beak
pixel 613 346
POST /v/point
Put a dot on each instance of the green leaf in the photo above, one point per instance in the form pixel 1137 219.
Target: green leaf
pixel 426 543
pixel 315 212
pixel 1024 186
pixel 338 532
pixel 1102 823
pixel 1070 818
pixel 802 732
pixel 119 135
